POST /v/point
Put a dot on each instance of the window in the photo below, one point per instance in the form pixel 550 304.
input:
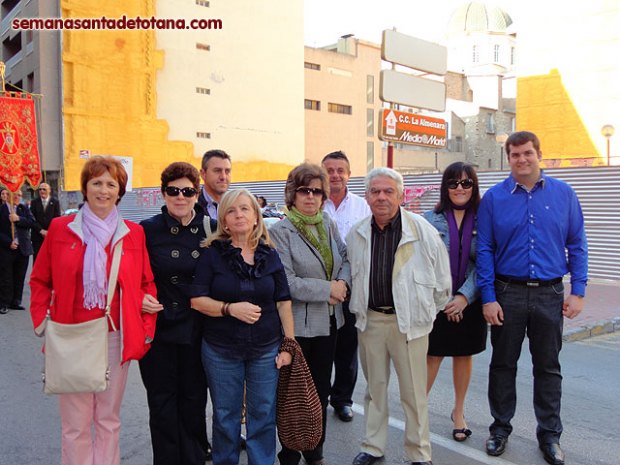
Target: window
pixel 490 123
pixel 7 7
pixel 338 108
pixel 456 144
pixel 475 54
pixel 30 83
pixel 313 66
pixel 370 122
pixel 370 89
pixel 203 90
pixel 11 47
pixel 312 105
pixel 205 47
pixel 370 156
pixel 496 53
pixel 203 135
pixel 202 3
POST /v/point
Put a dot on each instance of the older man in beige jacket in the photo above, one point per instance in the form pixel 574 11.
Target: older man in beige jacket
pixel 401 277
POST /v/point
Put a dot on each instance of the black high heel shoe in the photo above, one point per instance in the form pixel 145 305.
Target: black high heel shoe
pixel 461 434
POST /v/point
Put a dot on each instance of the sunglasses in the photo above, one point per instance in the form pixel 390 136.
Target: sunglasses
pixel 174 191
pixel 465 183
pixel 315 191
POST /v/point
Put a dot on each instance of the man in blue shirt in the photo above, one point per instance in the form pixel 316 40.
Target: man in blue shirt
pixel 530 234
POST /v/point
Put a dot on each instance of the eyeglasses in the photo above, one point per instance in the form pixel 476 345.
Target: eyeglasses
pixel 315 191
pixel 465 183
pixel 174 191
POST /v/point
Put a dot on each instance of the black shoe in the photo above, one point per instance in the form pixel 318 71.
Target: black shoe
pixel 496 445
pixel 552 453
pixel 365 459
pixel 17 307
pixel 422 463
pixel 344 412
pixel 3 310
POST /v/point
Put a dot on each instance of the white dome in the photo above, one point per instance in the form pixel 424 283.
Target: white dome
pixel 478 17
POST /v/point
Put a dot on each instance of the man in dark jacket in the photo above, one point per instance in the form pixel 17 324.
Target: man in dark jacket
pixel 15 251
pixel 215 173
pixel 44 209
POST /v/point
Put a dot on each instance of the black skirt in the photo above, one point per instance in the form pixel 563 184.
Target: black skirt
pixel 467 337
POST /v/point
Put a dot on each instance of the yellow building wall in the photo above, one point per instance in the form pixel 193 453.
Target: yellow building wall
pixel 545 108
pixel 133 93
pixel 109 95
pixel 568 72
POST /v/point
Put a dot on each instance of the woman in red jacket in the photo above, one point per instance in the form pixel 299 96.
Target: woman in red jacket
pixel 73 267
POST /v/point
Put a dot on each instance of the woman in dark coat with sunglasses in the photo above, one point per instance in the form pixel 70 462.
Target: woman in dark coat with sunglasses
pixel 172 371
pixel 460 330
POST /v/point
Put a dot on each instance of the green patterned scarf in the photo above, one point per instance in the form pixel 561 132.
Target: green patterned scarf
pixel 321 243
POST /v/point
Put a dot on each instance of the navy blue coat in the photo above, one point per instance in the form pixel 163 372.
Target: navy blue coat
pixel 174 251
pixel 22 229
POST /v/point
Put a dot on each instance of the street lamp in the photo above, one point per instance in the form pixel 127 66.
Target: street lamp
pixel 607 131
pixel 501 140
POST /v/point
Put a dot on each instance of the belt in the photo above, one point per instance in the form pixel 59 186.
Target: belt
pixel 385 310
pixel 528 282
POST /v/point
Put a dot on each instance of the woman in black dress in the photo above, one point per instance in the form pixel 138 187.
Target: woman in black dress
pixel 460 330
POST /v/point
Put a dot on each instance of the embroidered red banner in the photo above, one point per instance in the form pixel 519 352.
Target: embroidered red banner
pixel 19 151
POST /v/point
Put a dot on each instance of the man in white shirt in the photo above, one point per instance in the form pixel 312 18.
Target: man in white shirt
pixel 346 209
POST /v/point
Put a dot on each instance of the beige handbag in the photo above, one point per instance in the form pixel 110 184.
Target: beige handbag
pixel 76 355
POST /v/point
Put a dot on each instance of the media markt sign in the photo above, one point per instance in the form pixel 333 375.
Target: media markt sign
pixel 408 128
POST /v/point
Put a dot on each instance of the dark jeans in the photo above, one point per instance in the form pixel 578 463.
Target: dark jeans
pixel 537 312
pixel 345 362
pixel 12 276
pixel 176 391
pixel 319 354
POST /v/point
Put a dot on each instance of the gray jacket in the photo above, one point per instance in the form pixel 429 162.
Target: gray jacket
pixel 305 271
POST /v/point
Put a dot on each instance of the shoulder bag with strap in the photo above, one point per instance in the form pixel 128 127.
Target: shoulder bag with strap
pixel 76 355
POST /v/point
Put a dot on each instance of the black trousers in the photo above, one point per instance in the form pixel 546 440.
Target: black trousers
pixel 345 362
pixel 176 390
pixel 537 312
pixel 13 267
pixel 319 354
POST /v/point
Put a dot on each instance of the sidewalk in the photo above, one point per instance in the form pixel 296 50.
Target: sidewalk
pixel 601 313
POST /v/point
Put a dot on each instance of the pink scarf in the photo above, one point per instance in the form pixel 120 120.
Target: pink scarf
pixel 97 235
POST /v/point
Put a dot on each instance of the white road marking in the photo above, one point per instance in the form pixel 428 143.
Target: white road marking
pixel 446 443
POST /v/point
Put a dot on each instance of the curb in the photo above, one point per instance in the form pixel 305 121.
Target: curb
pixel 595 329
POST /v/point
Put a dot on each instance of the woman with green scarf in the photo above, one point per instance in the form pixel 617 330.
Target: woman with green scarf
pixel 319 275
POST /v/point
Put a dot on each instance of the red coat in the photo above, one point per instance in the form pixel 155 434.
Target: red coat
pixel 59 267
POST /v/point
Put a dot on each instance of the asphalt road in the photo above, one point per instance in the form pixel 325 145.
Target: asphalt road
pixel 30 429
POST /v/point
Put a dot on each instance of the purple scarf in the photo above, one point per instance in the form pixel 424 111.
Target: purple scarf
pixel 460 245
pixel 97 235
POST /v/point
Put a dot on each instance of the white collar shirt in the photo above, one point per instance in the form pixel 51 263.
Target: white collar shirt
pixel 352 209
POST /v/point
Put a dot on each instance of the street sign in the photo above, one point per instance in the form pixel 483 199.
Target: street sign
pixel 413 91
pixel 414 53
pixel 413 129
